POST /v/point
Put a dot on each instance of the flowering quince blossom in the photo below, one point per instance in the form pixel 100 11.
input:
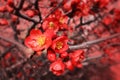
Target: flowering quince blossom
pixel 30 13
pixel 50 33
pixel 2 8
pixel 3 22
pixel 63 22
pixel 50 23
pixel 64 55
pixel 51 56
pixel 69 65
pixel 76 58
pixel 117 14
pixel 37 40
pixel 62 19
pixel 57 67
pixel 103 3
pixel 59 19
pixel 60 45
pixel 107 20
pixel 10 2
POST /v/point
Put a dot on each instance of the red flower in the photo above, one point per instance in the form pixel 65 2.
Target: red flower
pixel 38 41
pixel 51 55
pixel 57 67
pixel 104 3
pixel 10 2
pixel 60 19
pixel 57 14
pixel 75 2
pixel 14 18
pixel 30 13
pixel 2 8
pixel 60 44
pixel 50 33
pixel 63 22
pixel 3 22
pixel 51 23
pixel 107 20
pixel 76 58
pixel 9 8
pixel 67 6
pixel 69 65
pixel 63 55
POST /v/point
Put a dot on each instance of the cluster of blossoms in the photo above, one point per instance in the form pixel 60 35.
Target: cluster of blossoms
pixel 83 7
pixel 55 44
pixel 6 6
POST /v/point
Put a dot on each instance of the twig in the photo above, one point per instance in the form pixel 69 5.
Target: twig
pixel 26 51
pixel 7 50
pixel 89 43
pixel 54 9
pixel 17 64
pixel 37 8
pixel 25 17
pixel 86 23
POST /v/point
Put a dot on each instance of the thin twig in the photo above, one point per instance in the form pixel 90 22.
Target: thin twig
pixel 17 64
pixel 26 51
pixel 54 9
pixel 89 43
pixel 7 50
pixel 37 8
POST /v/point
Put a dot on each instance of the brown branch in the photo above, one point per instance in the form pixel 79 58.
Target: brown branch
pixel 25 17
pixel 26 51
pixel 17 64
pixel 86 23
pixel 53 9
pixel 37 8
pixel 7 50
pixel 89 43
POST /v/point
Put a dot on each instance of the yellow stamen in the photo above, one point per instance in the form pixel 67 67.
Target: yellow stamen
pixel 59 45
pixel 41 40
pixel 51 24
pixel 61 20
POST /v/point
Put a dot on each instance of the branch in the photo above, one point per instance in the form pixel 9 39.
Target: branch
pixel 37 8
pixel 89 43
pixel 54 9
pixel 7 50
pixel 17 64
pixel 86 23
pixel 25 17
pixel 26 51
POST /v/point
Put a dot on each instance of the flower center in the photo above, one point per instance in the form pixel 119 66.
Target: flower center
pixel 59 45
pixel 61 20
pixel 41 40
pixel 51 24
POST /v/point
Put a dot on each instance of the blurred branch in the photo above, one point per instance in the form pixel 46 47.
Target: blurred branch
pixel 54 9
pixel 89 43
pixel 25 17
pixel 37 8
pixel 7 50
pixel 17 12
pixel 26 51
pixel 86 23
pixel 112 44
pixel 17 64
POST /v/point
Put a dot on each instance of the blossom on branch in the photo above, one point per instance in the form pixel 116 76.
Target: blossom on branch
pixel 37 40
pixel 60 45
pixel 57 67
